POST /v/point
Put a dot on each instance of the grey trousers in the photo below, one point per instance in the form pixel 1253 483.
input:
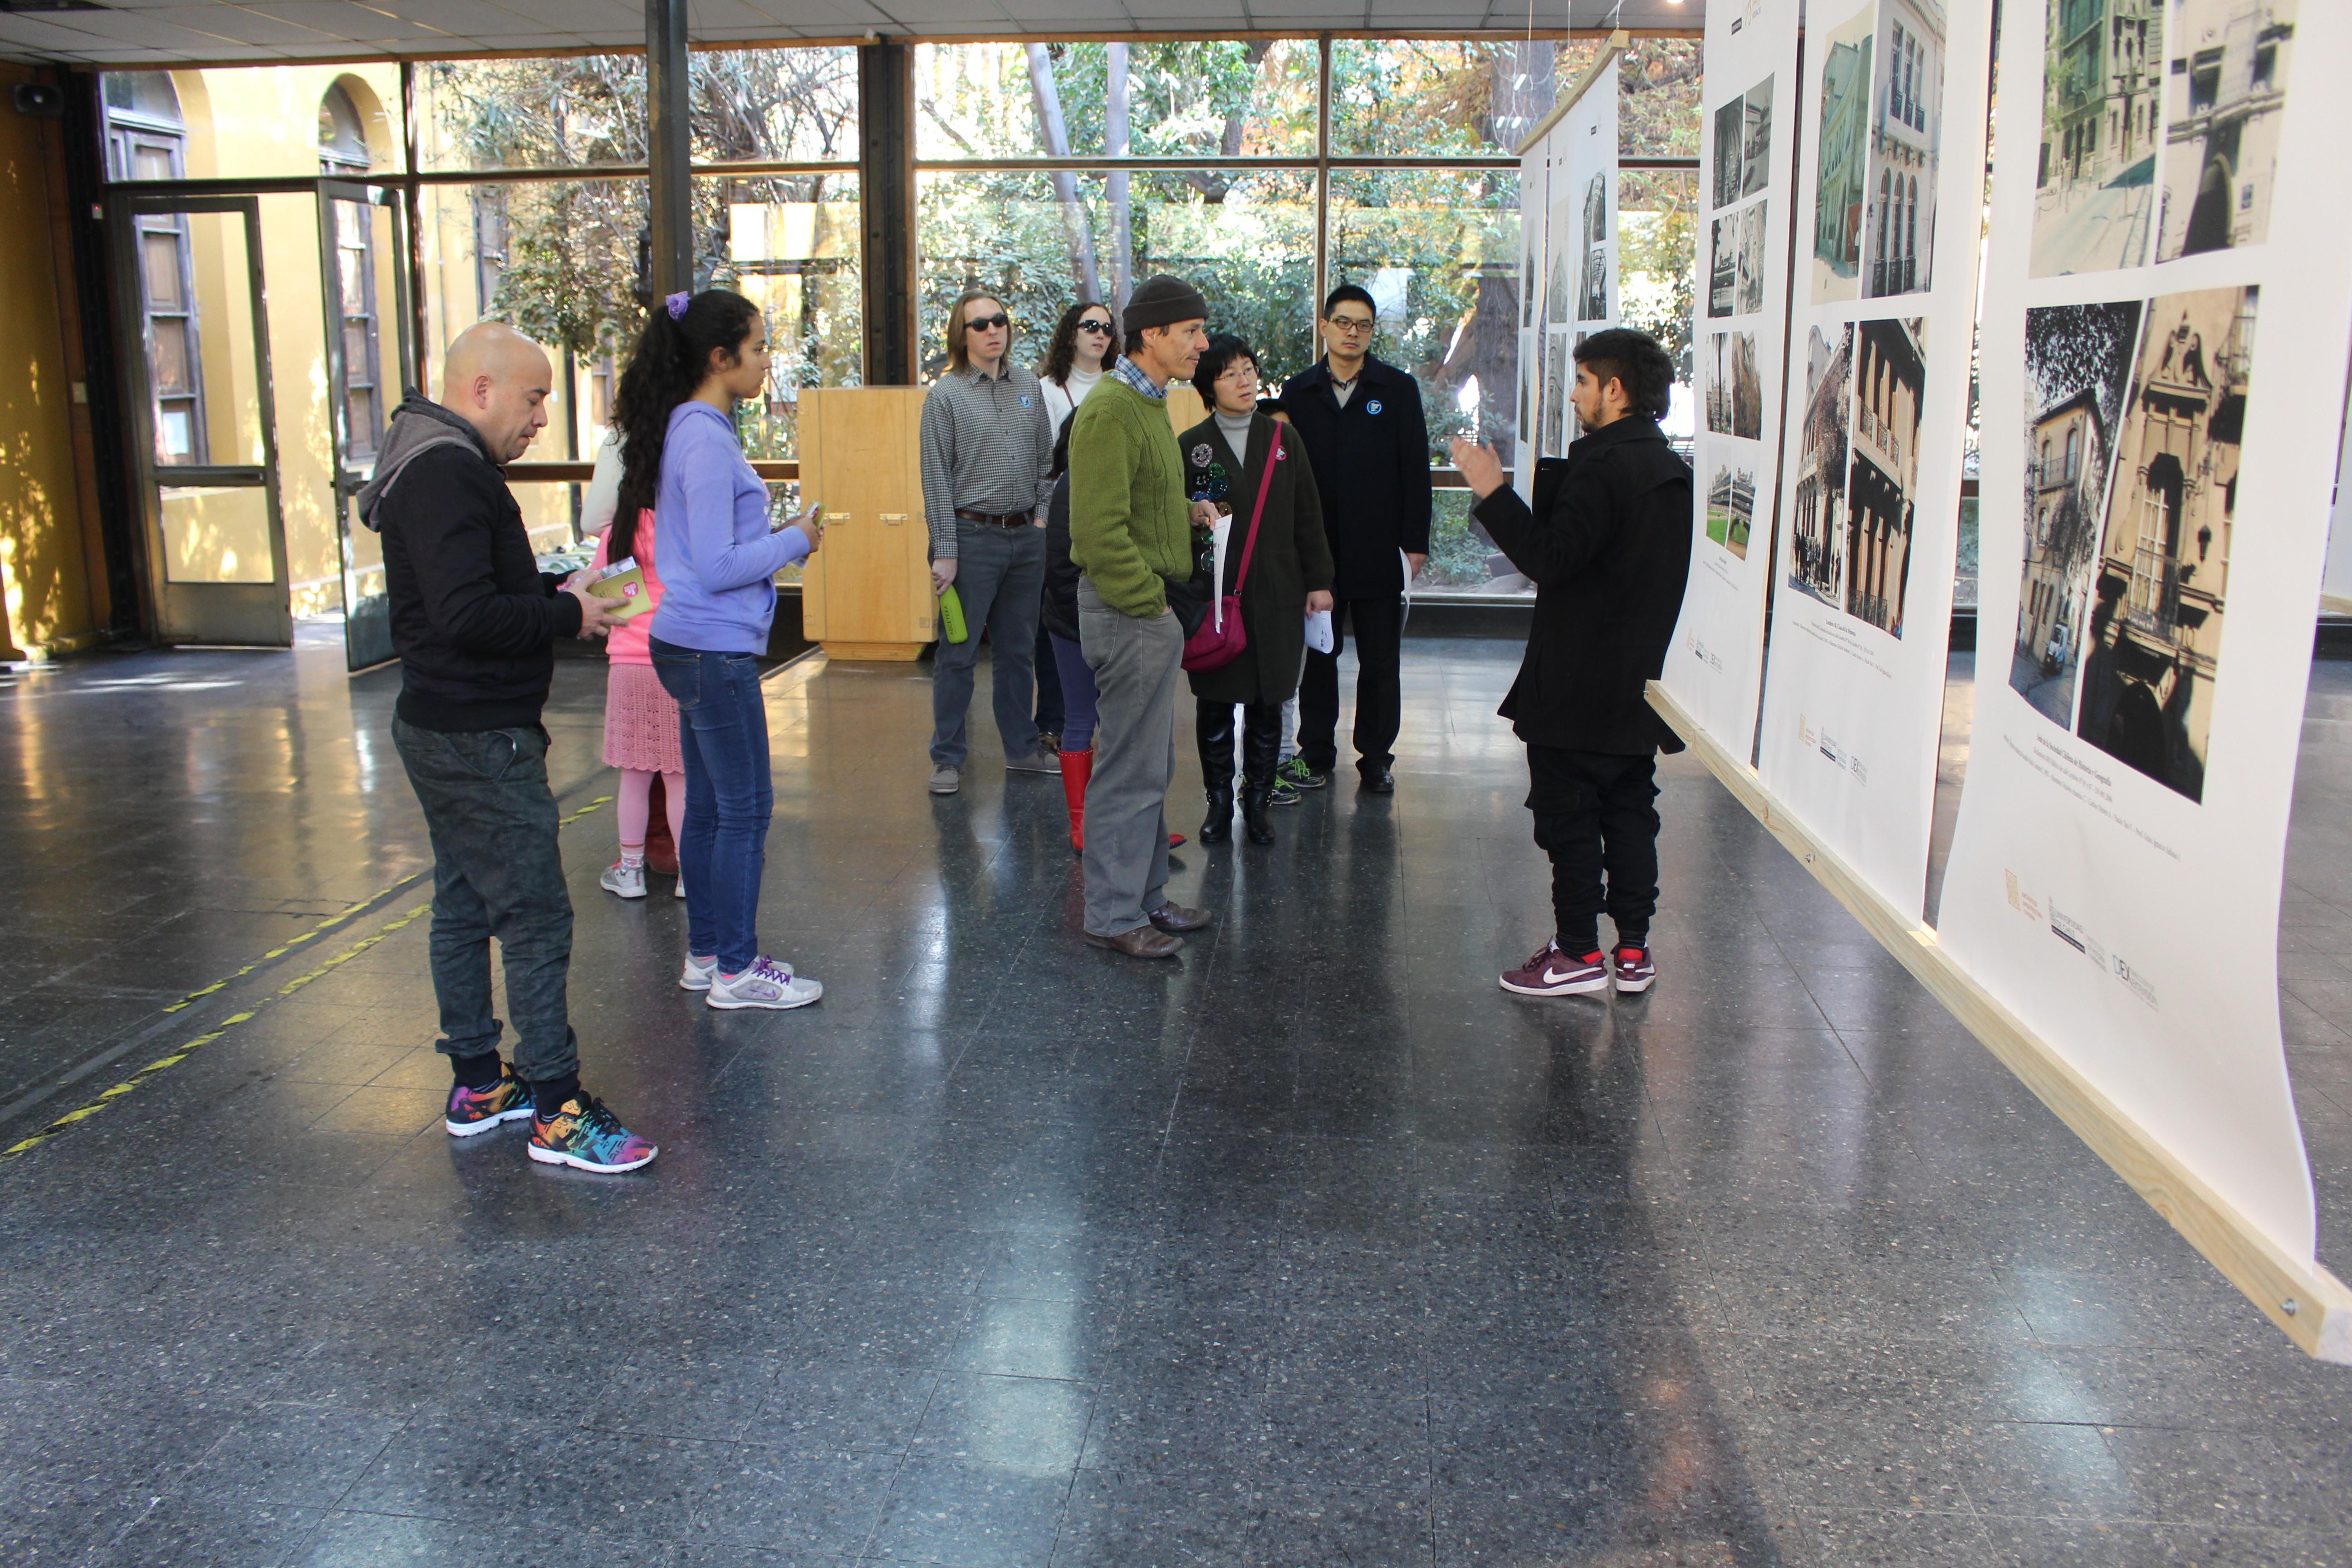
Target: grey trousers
pixel 1001 578
pixel 1138 668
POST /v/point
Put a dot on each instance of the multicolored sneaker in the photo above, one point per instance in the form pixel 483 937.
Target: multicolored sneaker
pixel 1636 970
pixel 624 880
pixel 1284 792
pixel 698 972
pixel 1298 776
pixel 586 1136
pixel 767 983
pixel 1551 972
pixel 473 1110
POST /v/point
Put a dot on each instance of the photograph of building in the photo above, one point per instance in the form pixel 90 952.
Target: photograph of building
pixel 1817 538
pixel 1555 407
pixel 1731 508
pixel 1592 292
pixel 2095 180
pixel 2078 360
pixel 1842 140
pixel 1562 243
pixel 1718 383
pixel 1730 136
pixel 2153 646
pixel 1723 265
pixel 1881 489
pixel 1751 270
pixel 1905 129
pixel 1747 389
pixel 2226 106
pixel 1756 144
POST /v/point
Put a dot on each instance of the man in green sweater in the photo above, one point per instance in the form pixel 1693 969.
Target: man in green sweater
pixel 1131 531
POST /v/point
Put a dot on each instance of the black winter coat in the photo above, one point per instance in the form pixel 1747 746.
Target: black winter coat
pixel 1609 566
pixel 473 618
pixel 1293 557
pixel 1372 465
pixel 1061 609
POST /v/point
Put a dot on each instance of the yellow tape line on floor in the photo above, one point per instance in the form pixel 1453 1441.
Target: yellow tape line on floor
pixel 164 1064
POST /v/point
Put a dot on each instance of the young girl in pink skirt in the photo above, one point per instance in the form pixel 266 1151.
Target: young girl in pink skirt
pixel 640 717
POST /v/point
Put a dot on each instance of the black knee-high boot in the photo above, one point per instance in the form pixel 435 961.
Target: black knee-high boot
pixel 1213 724
pixel 1260 755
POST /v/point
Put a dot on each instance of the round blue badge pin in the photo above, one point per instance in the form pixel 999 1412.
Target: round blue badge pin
pixel 1373 406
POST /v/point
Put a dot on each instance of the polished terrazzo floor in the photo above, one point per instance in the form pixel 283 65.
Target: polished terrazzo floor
pixel 1311 1248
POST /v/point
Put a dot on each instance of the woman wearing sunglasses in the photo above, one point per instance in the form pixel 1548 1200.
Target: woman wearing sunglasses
pixel 1077 360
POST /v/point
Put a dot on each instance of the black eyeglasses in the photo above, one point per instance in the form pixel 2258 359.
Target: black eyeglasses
pixel 982 324
pixel 1102 327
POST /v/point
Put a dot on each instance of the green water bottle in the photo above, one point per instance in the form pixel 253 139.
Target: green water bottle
pixel 951 614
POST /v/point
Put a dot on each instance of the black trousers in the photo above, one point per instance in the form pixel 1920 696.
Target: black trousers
pixel 1597 816
pixel 1378 626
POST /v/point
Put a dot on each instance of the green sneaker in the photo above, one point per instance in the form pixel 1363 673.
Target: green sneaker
pixel 1283 793
pixel 1299 776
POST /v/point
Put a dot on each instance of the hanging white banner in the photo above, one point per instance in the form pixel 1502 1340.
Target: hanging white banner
pixel 1893 176
pixel 2167 315
pixel 1739 345
pixel 1567 196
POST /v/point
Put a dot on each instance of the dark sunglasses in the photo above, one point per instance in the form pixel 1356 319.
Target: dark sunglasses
pixel 1102 326
pixel 982 323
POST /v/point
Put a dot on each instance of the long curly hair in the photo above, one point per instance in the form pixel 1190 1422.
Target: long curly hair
pixel 1062 355
pixel 669 364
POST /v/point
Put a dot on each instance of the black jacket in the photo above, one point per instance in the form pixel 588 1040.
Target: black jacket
pixel 1293 558
pixel 1371 467
pixel 473 618
pixel 1609 566
pixel 1061 609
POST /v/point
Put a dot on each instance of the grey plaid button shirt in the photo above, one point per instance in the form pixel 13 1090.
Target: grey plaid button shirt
pixel 987 443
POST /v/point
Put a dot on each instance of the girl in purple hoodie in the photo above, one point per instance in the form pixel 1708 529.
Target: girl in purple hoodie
pixel 700 356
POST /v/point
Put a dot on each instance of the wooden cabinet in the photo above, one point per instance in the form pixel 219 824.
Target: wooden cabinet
pixel 868 593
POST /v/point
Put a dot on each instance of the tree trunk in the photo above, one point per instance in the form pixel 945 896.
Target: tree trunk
pixel 1076 230
pixel 1122 230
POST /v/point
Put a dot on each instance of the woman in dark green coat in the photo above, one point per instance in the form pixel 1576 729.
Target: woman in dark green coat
pixel 1226 457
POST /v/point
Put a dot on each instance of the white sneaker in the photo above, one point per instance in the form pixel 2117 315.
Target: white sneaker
pixel 624 880
pixel 681 886
pixel 697 975
pixel 767 983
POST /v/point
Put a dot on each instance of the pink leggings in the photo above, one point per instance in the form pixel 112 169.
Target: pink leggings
pixel 636 805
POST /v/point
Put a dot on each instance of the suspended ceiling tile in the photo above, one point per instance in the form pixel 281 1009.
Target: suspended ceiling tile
pixel 234 23
pixel 361 23
pixel 465 19
pixel 112 31
pixel 828 18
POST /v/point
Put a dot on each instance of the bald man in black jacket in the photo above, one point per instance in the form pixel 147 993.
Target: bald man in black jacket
pixel 1609 564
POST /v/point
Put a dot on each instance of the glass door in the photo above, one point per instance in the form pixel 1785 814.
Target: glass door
pixel 189 271
pixel 371 363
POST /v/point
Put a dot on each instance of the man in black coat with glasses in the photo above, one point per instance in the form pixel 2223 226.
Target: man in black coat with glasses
pixel 1609 563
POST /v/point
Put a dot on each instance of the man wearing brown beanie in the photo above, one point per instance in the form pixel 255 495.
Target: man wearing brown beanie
pixel 1130 534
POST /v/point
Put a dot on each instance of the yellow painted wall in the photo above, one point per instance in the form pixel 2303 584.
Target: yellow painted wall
pixel 41 560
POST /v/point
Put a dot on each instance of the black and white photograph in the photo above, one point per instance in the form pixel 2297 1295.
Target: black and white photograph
pixel 1882 490
pixel 2226 105
pixel 1723 265
pixel 1555 398
pixel 1561 242
pixel 1730 134
pixel 1906 132
pixel 2152 647
pixel 2078 361
pixel 1753 230
pixel 2102 114
pixel 1592 292
pixel 1817 542
pixel 1746 388
pixel 1756 140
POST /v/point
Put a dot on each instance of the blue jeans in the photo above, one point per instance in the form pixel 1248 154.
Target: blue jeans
pixel 497 872
pixel 1077 695
pixel 1001 578
pixel 729 795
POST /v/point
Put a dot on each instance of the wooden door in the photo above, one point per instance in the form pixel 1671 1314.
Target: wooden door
pixel 866 594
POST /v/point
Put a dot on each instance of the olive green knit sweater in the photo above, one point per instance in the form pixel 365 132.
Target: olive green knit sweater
pixel 1130 523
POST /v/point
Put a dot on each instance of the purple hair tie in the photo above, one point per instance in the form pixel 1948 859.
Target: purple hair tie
pixel 678 303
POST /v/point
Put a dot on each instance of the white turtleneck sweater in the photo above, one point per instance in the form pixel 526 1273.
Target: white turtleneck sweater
pixel 1062 398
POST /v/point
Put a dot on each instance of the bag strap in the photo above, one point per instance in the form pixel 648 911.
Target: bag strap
pixel 1264 483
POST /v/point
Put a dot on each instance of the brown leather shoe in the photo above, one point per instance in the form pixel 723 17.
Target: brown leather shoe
pixel 1143 941
pixel 1177 918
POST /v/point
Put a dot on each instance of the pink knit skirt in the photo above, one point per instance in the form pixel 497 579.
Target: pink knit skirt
pixel 640 722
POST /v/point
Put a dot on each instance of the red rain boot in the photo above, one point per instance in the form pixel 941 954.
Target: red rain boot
pixel 1076 768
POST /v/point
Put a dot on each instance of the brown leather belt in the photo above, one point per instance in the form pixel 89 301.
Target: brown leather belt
pixel 1009 519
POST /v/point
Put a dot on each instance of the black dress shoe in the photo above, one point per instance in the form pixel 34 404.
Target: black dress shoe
pixel 1175 918
pixel 1381 783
